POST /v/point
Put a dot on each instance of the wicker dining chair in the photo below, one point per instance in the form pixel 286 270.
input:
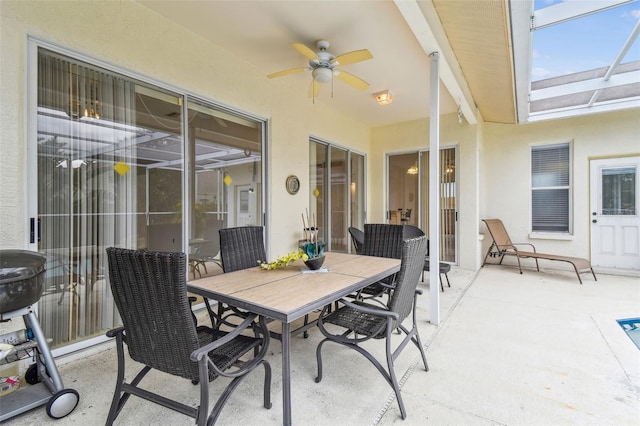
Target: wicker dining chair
pixel 359 321
pixel 411 231
pixel 242 247
pixel 357 237
pixel 150 292
pixel 382 240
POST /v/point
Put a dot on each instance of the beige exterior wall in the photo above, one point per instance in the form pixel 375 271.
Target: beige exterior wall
pixel 127 35
pixel 506 173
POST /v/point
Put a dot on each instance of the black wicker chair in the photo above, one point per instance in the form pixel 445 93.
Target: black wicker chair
pixel 360 322
pixel 381 240
pixel 150 292
pixel 357 237
pixel 208 250
pixel 411 231
pixel 443 269
pixel 242 247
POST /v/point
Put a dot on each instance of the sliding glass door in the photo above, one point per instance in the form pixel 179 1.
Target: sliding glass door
pixel 403 189
pixel 448 201
pixel 337 193
pixel 408 195
pixel 122 162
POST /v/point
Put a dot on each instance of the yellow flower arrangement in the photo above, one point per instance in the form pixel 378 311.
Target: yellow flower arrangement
pixel 285 260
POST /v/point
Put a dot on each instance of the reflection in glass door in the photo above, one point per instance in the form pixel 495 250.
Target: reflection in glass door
pixel 225 180
pixel 357 191
pixel 339 196
pixel 111 172
pixel 108 172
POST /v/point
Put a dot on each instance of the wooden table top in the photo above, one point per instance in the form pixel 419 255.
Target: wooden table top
pixel 290 293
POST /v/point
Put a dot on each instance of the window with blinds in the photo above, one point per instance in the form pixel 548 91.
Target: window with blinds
pixel 550 188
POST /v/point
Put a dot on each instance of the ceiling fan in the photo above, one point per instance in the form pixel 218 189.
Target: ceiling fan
pixel 323 66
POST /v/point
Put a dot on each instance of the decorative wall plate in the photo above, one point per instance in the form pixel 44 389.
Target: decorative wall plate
pixel 293 184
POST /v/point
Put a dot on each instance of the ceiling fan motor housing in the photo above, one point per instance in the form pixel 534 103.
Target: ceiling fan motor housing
pixel 322 67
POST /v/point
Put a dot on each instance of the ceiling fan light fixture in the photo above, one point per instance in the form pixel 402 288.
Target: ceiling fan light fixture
pixel 384 98
pixel 322 75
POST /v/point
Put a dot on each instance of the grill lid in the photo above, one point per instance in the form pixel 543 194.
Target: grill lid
pixel 17 265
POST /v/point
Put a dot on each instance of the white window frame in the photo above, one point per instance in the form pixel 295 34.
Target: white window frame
pixel 569 187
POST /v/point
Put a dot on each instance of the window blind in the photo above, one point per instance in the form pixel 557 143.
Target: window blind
pixel 550 188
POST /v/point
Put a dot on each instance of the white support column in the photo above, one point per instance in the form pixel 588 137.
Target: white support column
pixel 434 189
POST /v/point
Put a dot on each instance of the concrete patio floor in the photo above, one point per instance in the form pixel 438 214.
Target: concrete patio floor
pixel 511 349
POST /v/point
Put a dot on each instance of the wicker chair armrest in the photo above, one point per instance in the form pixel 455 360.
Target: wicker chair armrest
pixel 115 331
pixel 370 311
pixel 201 352
pixel 244 366
pixel 385 285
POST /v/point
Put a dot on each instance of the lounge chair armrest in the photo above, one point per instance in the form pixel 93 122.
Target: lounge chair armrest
pixel 533 248
pixel 370 311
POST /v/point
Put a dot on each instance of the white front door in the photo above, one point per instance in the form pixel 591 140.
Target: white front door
pixel 245 206
pixel 615 219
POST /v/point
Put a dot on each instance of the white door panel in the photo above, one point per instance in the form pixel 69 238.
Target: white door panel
pixel 615 216
pixel 630 243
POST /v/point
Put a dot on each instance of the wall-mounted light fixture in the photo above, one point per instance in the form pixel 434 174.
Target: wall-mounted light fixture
pixel 384 98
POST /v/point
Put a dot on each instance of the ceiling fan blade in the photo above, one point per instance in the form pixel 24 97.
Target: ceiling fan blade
pixel 314 89
pixel 286 72
pixel 351 80
pixel 352 57
pixel 305 51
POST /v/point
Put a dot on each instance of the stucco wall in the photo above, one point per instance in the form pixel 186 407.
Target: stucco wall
pixel 127 35
pixel 507 171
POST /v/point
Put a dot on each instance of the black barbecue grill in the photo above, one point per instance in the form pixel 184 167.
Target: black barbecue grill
pixel 21 285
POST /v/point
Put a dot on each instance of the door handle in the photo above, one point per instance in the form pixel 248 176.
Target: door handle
pixel 34 230
pixel 594 221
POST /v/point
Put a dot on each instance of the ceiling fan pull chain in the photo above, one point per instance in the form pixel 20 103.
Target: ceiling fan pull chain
pixel 332 84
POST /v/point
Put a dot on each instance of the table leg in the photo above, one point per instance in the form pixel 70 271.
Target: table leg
pixel 286 374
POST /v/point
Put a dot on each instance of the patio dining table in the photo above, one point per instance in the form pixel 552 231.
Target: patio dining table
pixel 292 292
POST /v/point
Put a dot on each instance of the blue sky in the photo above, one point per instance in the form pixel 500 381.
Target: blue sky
pixel 585 43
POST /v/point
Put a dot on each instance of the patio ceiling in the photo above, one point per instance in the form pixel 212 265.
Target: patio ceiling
pixel 485 46
pixel 399 34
